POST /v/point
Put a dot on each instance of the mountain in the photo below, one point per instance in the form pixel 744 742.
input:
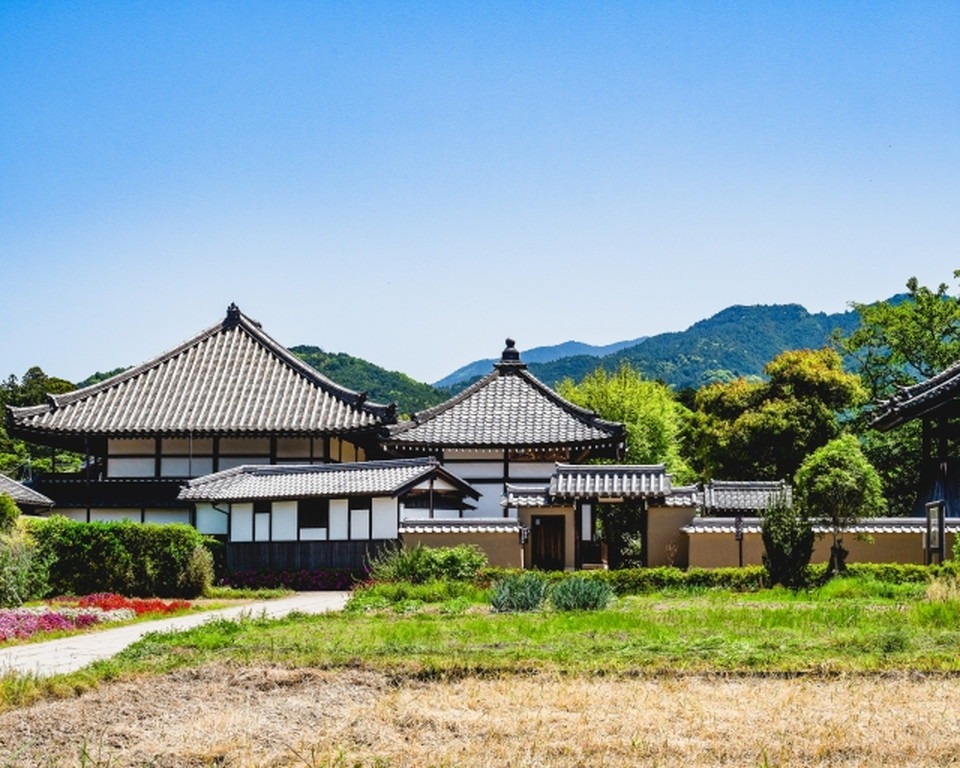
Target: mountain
pixel 381 385
pixel 737 341
pixel 566 350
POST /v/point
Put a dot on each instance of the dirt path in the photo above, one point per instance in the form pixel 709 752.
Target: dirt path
pixel 72 653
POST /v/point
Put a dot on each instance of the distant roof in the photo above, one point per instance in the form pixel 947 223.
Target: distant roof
pixel 874 525
pixel 461 525
pixel 507 408
pixel 231 378
pixel 22 495
pixel 297 481
pixel 918 400
pixel 743 496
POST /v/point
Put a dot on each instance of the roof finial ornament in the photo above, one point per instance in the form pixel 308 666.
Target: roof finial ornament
pixel 233 314
pixel 510 353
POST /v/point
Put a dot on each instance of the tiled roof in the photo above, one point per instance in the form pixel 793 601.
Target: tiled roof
pixel 22 495
pixel 609 481
pixel 870 526
pixel 525 496
pixel 726 496
pixel 231 378
pixel 911 402
pixel 684 496
pixel 461 525
pixel 296 481
pixel 507 408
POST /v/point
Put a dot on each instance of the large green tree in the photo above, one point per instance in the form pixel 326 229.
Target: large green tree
pixel 762 430
pixel 31 389
pixel 838 486
pixel 899 342
pixel 653 416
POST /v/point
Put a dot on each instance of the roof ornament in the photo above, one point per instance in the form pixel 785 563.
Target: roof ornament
pixel 233 314
pixel 510 353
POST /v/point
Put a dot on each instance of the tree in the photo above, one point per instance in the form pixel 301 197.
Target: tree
pixel 900 342
pixel 763 430
pixel 787 534
pixel 838 486
pixel 905 339
pixel 9 512
pixel 653 416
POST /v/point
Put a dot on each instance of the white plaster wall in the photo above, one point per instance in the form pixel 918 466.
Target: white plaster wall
pixel 229 462
pixel 314 534
pixel 72 514
pixel 131 467
pixel 359 524
pixel 114 515
pixel 339 519
pixel 261 526
pixel 241 522
pixel 469 470
pixel 531 470
pixel 210 521
pixel 385 518
pixel 284 520
pixel 488 505
pixel 586 523
pixel 166 516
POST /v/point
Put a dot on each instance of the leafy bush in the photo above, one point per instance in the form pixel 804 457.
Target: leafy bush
pixel 127 558
pixel 581 594
pixel 519 592
pixel 420 564
pixel 9 512
pixel 23 569
pixel 787 534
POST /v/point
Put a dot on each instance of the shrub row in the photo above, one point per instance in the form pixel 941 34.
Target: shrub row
pixel 420 564
pixel 129 558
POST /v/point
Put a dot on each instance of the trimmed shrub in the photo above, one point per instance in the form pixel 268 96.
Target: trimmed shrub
pixel 581 594
pixel 128 558
pixel 519 592
pixel 420 564
pixel 9 512
pixel 23 569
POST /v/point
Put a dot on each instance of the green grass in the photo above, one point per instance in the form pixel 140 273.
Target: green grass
pixel 845 627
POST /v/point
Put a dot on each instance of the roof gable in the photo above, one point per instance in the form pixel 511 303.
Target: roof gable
pixel 231 378
pixel 21 494
pixel 509 407
pixel 917 400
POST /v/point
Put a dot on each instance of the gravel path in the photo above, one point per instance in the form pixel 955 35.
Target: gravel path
pixel 72 653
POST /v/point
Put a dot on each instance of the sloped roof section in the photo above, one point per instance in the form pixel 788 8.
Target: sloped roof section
pixel 608 482
pixel 722 497
pixel 22 495
pixel 298 481
pixel 508 408
pixel 917 400
pixel 231 378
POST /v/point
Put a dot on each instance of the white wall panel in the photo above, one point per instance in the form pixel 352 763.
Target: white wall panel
pixel 359 524
pixel 474 469
pixel 241 522
pixel 210 521
pixel 384 518
pixel 284 521
pixel 229 462
pixel 533 470
pixel 586 523
pixel 316 534
pixel 261 526
pixel 145 467
pixel 339 517
pixel 167 516
pixel 114 515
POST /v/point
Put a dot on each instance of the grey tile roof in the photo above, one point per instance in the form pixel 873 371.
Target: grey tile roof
pixel 609 481
pixel 746 496
pixel 231 378
pixel 509 407
pixel 918 400
pixel 297 481
pixel 525 496
pixel 870 526
pixel 22 495
pixel 461 525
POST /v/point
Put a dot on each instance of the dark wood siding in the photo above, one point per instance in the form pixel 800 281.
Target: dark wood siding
pixel 301 555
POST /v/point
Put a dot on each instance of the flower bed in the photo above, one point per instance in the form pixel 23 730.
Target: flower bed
pixel 70 613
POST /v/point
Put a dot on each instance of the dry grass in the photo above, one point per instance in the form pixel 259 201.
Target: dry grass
pixel 268 716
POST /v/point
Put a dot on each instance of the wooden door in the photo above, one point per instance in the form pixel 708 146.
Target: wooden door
pixel 547 542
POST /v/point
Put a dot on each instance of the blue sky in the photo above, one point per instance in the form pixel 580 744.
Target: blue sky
pixel 412 182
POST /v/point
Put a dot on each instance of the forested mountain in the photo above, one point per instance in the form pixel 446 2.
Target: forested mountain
pixel 566 350
pixel 737 341
pixel 381 385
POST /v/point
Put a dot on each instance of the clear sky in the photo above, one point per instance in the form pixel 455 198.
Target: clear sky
pixel 413 182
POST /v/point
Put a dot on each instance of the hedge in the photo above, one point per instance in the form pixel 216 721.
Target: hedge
pixel 133 559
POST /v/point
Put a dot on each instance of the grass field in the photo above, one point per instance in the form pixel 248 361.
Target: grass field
pixel 855 673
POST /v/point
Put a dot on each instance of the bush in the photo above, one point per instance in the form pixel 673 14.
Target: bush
pixel 581 594
pixel 9 512
pixel 23 569
pixel 420 564
pixel 128 558
pixel 788 543
pixel 519 592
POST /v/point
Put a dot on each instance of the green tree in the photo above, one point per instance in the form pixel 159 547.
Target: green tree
pixel 787 534
pixel 763 430
pixel 837 486
pixel 653 417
